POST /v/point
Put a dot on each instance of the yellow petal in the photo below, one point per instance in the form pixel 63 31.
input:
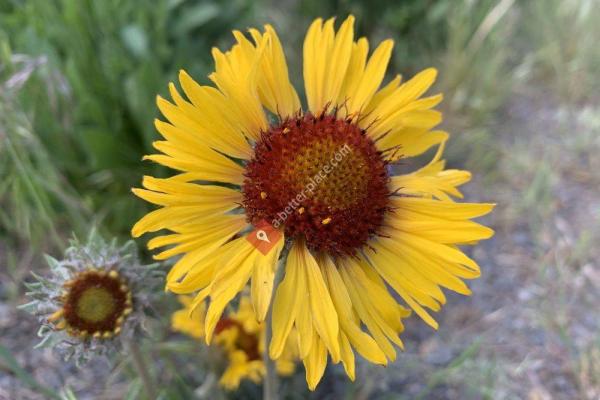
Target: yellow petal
pixel 311 58
pixel 287 302
pixel 355 72
pixel 363 343
pixel 206 125
pixel 174 216
pixel 405 289
pixel 411 277
pixel 409 91
pixel 261 288
pixel 375 301
pixel 435 270
pixel 382 94
pixel 231 277
pixel 197 157
pixel 447 232
pixel 304 325
pixel 394 269
pixel 326 60
pixel 442 209
pixel 315 363
pixel 324 315
pixel 274 87
pixel 381 299
pixel 337 65
pixel 199 276
pixel 392 110
pixel 358 303
pixel 206 233
pixel 237 74
pixel 347 356
pixel 196 266
pixel 371 77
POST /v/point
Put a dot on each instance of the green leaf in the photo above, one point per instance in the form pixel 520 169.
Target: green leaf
pixel 30 307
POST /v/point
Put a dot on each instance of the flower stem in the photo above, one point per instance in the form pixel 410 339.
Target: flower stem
pixel 270 383
pixel 140 367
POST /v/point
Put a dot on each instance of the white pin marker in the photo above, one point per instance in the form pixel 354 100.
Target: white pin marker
pixel 262 235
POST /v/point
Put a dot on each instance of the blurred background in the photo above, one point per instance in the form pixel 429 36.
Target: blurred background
pixel 521 78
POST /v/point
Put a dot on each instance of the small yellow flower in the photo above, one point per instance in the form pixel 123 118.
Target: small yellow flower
pixel 187 320
pixel 241 338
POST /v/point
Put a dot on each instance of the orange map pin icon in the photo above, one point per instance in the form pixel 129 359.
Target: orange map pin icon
pixel 264 237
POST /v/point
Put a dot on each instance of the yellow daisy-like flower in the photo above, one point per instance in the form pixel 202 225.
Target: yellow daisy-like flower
pixel 256 165
pixel 189 320
pixel 240 336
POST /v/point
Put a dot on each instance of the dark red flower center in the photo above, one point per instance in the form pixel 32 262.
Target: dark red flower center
pixel 96 303
pixel 247 342
pixel 321 178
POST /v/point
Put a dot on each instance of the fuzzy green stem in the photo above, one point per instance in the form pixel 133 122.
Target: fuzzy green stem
pixel 140 367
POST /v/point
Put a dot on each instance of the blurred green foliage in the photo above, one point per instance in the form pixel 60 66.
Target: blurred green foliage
pixel 86 74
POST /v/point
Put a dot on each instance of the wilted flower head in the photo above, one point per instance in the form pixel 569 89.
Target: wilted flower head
pixel 240 336
pixel 92 299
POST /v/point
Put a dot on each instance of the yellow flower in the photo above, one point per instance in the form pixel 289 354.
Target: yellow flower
pixel 255 164
pixel 240 336
pixel 187 320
